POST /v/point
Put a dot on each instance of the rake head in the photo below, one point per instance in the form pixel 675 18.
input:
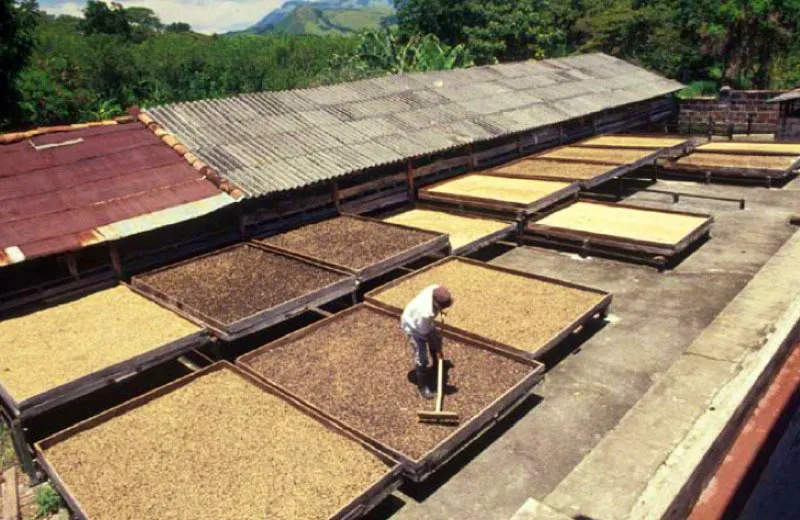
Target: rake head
pixel 434 417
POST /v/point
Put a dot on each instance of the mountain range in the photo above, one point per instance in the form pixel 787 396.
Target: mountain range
pixel 326 17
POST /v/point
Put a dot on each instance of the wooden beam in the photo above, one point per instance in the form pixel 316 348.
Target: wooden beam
pixel 115 261
pixel 410 179
pixel 183 360
pixel 72 265
pixel 321 312
pixel 473 163
pixel 10 495
pixel 336 198
pixel 240 223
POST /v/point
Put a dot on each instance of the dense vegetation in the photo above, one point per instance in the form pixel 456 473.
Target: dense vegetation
pixel 59 69
pixel 743 43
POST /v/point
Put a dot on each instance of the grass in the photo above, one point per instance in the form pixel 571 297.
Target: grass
pixel 47 501
pixel 699 89
pixel 359 19
pixel 7 456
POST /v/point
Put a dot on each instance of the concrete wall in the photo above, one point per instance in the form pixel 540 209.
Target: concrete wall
pixel 789 128
pixel 734 107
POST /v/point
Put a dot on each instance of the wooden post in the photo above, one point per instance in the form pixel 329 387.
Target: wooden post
pixel 22 450
pixel 410 180
pixel 114 254
pixel 240 225
pixel 519 145
pixel 72 265
pixel 335 194
pixel 472 162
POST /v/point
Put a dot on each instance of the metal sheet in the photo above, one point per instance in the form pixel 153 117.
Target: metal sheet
pixel 55 199
pixel 381 120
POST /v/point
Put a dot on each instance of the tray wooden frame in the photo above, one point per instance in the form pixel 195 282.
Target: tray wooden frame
pixel 257 321
pixel 501 207
pixel 467 432
pixel 656 253
pixel 366 500
pixel 599 309
pixel 438 242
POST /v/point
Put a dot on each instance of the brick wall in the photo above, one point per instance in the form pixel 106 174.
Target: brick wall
pixel 735 107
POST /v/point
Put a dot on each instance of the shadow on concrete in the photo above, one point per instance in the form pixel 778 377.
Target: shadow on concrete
pixel 572 345
pixel 385 509
pixel 421 491
pixel 490 252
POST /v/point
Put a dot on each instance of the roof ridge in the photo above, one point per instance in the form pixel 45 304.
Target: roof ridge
pixel 201 167
pixel 13 137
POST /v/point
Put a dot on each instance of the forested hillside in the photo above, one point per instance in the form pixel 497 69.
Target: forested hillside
pixel 68 69
pixel 327 17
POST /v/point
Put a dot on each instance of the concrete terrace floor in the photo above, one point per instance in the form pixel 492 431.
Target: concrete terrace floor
pixel 544 452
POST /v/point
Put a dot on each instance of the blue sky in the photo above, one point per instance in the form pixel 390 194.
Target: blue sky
pixel 203 15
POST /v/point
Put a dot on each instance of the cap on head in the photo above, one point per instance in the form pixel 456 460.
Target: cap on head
pixel 442 297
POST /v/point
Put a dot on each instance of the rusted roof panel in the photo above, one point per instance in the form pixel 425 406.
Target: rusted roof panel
pixel 277 141
pixel 57 191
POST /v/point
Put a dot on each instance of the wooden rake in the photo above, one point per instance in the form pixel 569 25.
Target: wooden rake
pixel 439 416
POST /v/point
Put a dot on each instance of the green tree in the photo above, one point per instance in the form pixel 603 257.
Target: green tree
pixel 492 30
pixel 178 27
pixel 385 52
pixel 745 36
pixel 17 37
pixel 99 18
pixel 143 23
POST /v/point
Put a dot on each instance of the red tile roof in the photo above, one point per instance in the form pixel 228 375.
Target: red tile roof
pixel 57 189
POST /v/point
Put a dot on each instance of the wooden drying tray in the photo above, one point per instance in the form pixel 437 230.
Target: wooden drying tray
pixel 467 432
pixel 470 247
pixel 36 405
pixel 255 322
pixel 609 172
pixel 655 253
pixel 684 145
pixel 499 206
pixel 437 243
pixel 606 156
pixel 359 506
pixel 751 148
pixel 717 169
pixel 598 309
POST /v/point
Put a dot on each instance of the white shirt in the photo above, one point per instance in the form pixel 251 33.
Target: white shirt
pixel 419 315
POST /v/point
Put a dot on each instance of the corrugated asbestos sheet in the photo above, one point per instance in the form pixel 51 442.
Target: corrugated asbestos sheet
pixel 64 191
pixel 276 141
pixel 786 96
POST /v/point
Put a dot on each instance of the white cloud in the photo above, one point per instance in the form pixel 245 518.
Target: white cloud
pixel 70 8
pixel 203 15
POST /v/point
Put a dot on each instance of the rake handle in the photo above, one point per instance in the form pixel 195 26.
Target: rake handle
pixel 439 377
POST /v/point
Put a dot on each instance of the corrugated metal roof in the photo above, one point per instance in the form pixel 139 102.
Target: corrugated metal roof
pixel 786 96
pixel 64 191
pixel 276 141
